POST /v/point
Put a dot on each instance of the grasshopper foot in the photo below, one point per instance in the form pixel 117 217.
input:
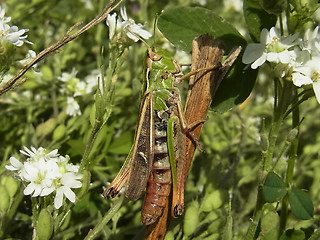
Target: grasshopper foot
pixel 110 193
pixel 178 210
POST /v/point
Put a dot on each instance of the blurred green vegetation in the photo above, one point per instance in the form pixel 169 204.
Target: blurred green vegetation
pixel 225 172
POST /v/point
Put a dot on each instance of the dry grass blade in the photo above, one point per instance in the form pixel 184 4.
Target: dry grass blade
pixel 206 52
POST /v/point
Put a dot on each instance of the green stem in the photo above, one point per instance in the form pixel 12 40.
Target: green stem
pixel 282 100
pixel 113 210
pixel 290 171
pixel 85 163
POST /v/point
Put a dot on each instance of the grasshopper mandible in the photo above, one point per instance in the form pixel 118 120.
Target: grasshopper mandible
pixel 159 142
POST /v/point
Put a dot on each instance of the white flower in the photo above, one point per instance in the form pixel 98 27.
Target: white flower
pixel 40 175
pixel 308 73
pixel 272 47
pixel 29 57
pixel 47 173
pixel 40 154
pixel 2 18
pixel 133 31
pixel 112 22
pixel 15 164
pixel 80 88
pixel 88 4
pixel 67 182
pixel 73 108
pixel 92 80
pixel 311 41
pixel 235 4
pixel 11 34
pixel 67 77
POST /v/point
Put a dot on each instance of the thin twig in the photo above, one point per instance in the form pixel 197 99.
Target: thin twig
pixel 54 48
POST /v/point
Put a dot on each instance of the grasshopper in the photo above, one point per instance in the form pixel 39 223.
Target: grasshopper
pixel 156 158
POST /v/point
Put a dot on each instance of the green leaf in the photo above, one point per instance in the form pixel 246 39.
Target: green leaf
pixel 180 25
pixel 191 218
pixel 274 6
pixel 121 144
pixel 274 188
pixel 257 18
pixel 301 204
pixel 292 234
pixel 235 87
pixel 269 224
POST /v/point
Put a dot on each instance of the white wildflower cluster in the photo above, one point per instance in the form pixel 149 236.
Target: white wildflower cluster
pixel 294 58
pixel 11 33
pixel 74 87
pixel 46 173
pixel 125 25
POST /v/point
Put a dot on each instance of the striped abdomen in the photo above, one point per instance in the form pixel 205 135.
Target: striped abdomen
pixel 159 182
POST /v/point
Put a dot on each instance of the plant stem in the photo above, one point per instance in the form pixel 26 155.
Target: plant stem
pixel 85 163
pixel 282 100
pixel 113 210
pixel 290 171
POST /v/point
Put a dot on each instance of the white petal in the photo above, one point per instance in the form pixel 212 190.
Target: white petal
pixel 47 191
pixel 253 52
pixel 316 89
pixel 72 168
pixel 69 194
pixel 273 57
pixel 264 36
pixel 132 36
pixel 37 190
pixel 273 33
pixel 29 189
pixel 284 57
pixel 69 180
pixel 300 79
pixel 15 164
pixel 58 198
pixel 259 61
pixel 111 22
pixel 123 13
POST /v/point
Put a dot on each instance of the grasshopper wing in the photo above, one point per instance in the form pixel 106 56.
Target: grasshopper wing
pixel 142 157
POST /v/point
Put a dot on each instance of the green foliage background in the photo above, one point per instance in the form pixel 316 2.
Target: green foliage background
pixel 221 188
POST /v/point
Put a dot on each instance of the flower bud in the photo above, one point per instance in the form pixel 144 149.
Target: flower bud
pixel 169 236
pixel 4 199
pixel 292 134
pixel 10 184
pixel 59 132
pixel 44 226
pixel 191 218
pixel 45 128
pixel 212 201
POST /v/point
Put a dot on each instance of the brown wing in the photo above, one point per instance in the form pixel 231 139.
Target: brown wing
pixel 142 157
